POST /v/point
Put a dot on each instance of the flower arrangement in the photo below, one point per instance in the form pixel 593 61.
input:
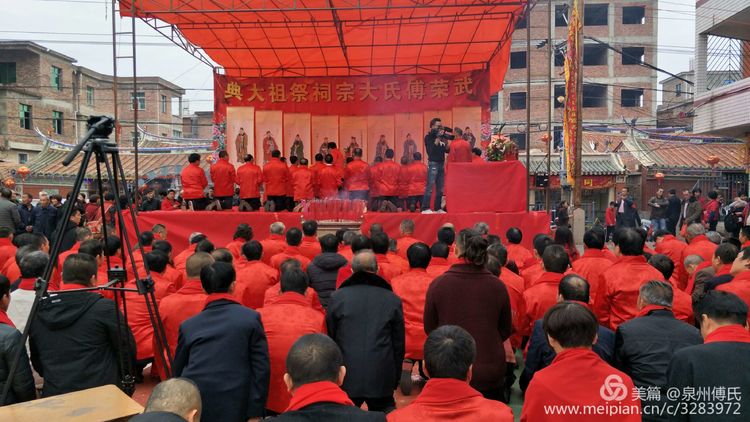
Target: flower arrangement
pixel 219 135
pixel 501 148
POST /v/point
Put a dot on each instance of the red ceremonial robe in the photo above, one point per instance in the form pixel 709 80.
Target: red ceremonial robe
pixel 438 266
pixel 514 284
pixel 224 176
pixel 310 247
pixel 701 246
pixel 403 243
pixel 579 377
pixel 138 317
pixel 284 321
pixel 411 287
pixel 540 297
pixel 290 252
pixel 274 293
pixel 7 251
pixel 274 244
pixel 740 286
pixel 518 254
pixel 252 281
pixel 591 266
pixel 673 248
pixel 448 399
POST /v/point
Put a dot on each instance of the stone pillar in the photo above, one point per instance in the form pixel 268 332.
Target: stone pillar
pixel 579 225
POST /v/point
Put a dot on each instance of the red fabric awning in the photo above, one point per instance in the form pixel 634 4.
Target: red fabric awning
pixel 344 37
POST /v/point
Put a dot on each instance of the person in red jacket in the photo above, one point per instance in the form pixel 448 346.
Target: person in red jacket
pixel 534 268
pixel 224 176
pixel 255 277
pixel 698 244
pixel 497 264
pixel 388 179
pixel 571 329
pixel 291 251
pixel 310 246
pixel 319 165
pixel 477 157
pixel 303 181
pixel 243 234
pixel 593 264
pixel 194 182
pixel 293 167
pixel 357 177
pixel 275 242
pixel 417 183
pixel 517 252
pixel 404 179
pixel 375 175
pixel 275 176
pixel 459 150
pixel 439 263
pixel 285 320
pixel 610 219
pixel 170 203
pixel 543 295
pixel 616 300
pixel 250 179
pixel 449 354
pixel 338 158
pixel 330 179
pixel 411 287
pixel 667 244
pixel 682 303
pixel 711 211
pixel 740 284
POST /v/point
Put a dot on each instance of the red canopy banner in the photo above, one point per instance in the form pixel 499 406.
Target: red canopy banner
pixel 363 95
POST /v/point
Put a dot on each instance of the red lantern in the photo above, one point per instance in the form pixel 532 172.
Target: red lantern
pixel 23 171
pixel 545 137
pixel 659 176
pixel 9 183
pixel 712 160
pixel 210 159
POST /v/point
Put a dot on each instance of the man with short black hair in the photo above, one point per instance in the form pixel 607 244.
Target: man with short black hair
pixel 594 263
pixel 324 268
pixel 243 233
pixel 366 320
pixel 249 179
pixel 516 252
pixel 723 259
pixel 380 245
pixel 289 317
pixel 720 361
pixel 682 304
pixel 357 177
pixel 83 324
pixel 329 179
pixel 292 250
pixel 618 287
pixel 224 176
pixel 276 176
pixel 225 338
pixel 314 373
pixel 571 330
pixel 439 262
pixel 669 245
pixel 436 148
pixel 542 295
pixel 255 277
pixel 533 269
pixel 173 400
pixel 645 345
pixel 310 246
pixel 194 182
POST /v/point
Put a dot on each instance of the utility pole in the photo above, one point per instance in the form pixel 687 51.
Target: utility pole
pixel 528 102
pixel 551 104
pixel 578 188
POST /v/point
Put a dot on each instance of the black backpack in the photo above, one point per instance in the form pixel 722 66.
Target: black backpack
pixel 731 223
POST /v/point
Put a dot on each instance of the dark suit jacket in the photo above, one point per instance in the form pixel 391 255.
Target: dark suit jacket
pixel 224 351
pixel 628 218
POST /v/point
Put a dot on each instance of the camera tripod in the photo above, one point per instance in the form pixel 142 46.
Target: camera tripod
pixel 96 144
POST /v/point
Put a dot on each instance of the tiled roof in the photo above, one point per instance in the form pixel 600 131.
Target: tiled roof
pixel 593 164
pixel 686 154
pixel 594 142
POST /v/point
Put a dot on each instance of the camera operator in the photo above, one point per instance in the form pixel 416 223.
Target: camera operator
pixel 436 145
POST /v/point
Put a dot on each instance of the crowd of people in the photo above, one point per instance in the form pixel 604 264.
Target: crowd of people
pixel 308 327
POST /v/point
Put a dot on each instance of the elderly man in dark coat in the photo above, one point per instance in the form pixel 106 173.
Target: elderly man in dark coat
pixel 366 320
pixel 224 351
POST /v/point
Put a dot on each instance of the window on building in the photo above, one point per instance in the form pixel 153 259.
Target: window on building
pixel 518 60
pixel 517 100
pixel 176 133
pixel 23 158
pixel 55 79
pixel 561 15
pixel 25 114
pixel 57 122
pixel 595 14
pixel 8 73
pixel 559 93
pixel 632 55
pixel 493 105
pixel 678 90
pixel 559 58
pixel 634 15
pixel 163 103
pixel 90 95
pixel 519 139
pixel 631 98
pixel 594 95
pixel 140 98
pixel 521 22
pixel 594 55
pixel 557 136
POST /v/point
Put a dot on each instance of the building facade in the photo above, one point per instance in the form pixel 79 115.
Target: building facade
pixel 615 85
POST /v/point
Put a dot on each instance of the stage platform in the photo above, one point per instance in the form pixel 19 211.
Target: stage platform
pixel 220 225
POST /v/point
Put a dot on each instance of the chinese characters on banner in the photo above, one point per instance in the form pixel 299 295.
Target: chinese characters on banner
pixel 365 95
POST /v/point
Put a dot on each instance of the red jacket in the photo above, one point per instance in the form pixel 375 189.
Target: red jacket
pixel 224 177
pixel 7 251
pixel 375 175
pixel 387 180
pixel 290 181
pixel 389 268
pixel 284 321
pixel 180 260
pixel 357 175
pixel 519 254
pixel 460 151
pixel 290 252
pixel 610 216
pixel 403 243
pixel 193 181
pixel 138 316
pixel 167 205
pixel 616 301
pixel 682 305
pixel 418 179
pixel 531 273
pixel 591 266
pixel 711 211
pixel 448 399
pixel 273 294
pixel 329 181
pixel 438 266
pixel 699 245
pixel 316 168
pixel 411 287
pixel 740 286
pixel 310 247
pixel 673 248
pixel 235 248
pixel 275 176
pixel 252 281
pixel 404 180
pixel 477 160
pixel 515 285
pixel 250 178
pixel 174 309
pixel 540 297
pixel 272 245
pixel 338 158
pixel 303 180
pixel 576 378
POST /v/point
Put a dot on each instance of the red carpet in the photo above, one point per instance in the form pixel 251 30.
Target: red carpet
pixel 219 226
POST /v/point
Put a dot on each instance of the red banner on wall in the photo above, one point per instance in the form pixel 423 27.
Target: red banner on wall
pixel 589 182
pixel 366 95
